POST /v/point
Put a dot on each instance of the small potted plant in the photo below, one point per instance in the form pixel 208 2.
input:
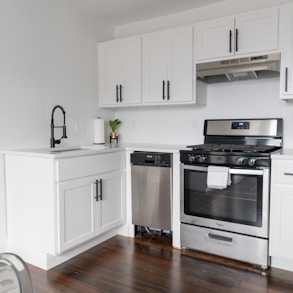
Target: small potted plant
pixel 114 124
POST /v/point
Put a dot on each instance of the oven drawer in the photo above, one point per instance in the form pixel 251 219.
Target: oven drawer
pixel 244 248
pixel 282 171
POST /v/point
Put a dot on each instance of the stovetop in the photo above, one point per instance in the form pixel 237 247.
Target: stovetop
pixel 236 143
pixel 231 155
pixel 232 148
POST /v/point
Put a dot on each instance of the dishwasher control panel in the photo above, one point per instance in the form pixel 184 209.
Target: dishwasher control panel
pixel 151 159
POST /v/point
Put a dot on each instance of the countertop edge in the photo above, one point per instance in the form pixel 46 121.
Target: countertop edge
pixel 91 150
pixel 283 154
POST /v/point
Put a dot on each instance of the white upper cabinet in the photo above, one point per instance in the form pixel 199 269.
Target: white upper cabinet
pixel 286 77
pixel 248 33
pixel 167 67
pixel 120 72
pixel 214 38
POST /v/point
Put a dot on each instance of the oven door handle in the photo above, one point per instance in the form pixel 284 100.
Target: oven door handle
pixel 246 172
pixel 231 171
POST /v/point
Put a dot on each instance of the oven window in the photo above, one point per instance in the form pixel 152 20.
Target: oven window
pixel 241 202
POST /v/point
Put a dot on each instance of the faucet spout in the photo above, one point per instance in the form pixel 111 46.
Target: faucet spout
pixel 54 141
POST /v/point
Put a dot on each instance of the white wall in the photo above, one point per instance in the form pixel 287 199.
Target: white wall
pixel 184 125
pixel 48 56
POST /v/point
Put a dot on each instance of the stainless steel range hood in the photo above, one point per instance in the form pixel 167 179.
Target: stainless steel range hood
pixel 263 66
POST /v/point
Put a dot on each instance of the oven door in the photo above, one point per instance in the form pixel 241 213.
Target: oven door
pixel 242 207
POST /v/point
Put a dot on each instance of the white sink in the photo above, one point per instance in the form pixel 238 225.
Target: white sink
pixel 62 150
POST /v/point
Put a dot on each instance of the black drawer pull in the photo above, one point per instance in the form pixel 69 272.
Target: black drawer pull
pixel 286 79
pixel 117 93
pixel 236 41
pixel 288 174
pixel 230 41
pixel 99 183
pixel 120 90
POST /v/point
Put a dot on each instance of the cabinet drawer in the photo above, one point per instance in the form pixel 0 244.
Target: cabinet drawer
pixel 70 168
pixel 282 171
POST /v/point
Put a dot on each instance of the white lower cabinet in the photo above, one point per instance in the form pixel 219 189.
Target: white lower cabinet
pixel 88 207
pixel 281 216
pixel 58 207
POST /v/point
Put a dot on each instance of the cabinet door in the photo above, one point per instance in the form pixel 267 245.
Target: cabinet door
pixel 214 39
pixel 246 33
pixel 130 91
pixel 110 71
pixel 286 77
pixel 168 67
pixel 257 31
pixel 76 212
pixel 120 72
pixel 111 211
pixel 281 221
pixel 180 66
pixel 155 52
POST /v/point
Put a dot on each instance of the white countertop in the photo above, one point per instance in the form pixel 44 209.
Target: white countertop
pixel 154 147
pixel 74 151
pixel 283 154
pixel 62 152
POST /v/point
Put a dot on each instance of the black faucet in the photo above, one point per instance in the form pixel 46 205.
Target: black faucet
pixel 54 141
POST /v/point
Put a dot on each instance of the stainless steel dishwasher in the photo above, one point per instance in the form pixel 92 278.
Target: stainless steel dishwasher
pixel 151 177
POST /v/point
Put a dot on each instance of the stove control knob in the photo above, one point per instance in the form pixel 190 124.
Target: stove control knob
pixel 191 159
pixel 202 159
pixel 251 162
pixel 242 161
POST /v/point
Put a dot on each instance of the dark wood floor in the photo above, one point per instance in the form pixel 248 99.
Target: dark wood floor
pixel 149 264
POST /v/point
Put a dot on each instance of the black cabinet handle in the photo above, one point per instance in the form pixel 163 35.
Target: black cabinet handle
pixel 163 89
pixel 101 189
pixel 117 93
pixel 99 183
pixel 230 41
pixel 120 89
pixel 286 79
pixel 97 190
pixel 168 90
pixel 236 41
pixel 288 174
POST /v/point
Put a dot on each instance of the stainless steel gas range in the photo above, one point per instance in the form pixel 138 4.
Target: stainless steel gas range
pixel 224 201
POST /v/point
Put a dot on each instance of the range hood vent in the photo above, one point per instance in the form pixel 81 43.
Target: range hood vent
pixel 264 66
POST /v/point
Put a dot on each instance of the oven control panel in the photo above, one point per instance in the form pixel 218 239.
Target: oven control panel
pixel 197 159
pixel 240 161
pixel 240 125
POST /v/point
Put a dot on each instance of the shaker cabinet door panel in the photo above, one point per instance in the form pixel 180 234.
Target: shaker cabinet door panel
pixel 76 212
pixel 248 33
pixel 155 66
pixel 214 39
pixel 286 77
pixel 110 71
pixel 120 72
pixel 181 66
pixel 281 232
pixel 112 204
pixel 168 73
pixel 257 31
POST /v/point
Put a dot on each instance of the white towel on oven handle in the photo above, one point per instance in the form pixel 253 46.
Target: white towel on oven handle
pixel 218 177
